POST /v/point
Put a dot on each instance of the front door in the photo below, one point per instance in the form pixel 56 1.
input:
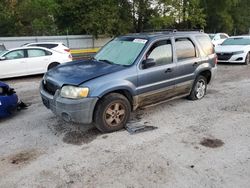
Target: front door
pixel 13 65
pixel 157 83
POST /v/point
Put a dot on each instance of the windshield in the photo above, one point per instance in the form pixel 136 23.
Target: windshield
pixel 236 41
pixel 121 51
pixel 211 36
pixel 2 52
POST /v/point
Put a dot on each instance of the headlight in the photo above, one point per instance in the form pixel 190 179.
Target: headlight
pixel 239 52
pixel 73 92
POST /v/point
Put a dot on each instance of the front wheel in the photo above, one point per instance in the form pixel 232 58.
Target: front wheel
pixel 199 88
pixel 112 113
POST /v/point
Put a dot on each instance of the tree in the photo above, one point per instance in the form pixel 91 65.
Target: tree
pixel 241 17
pixel 219 18
pixel 108 17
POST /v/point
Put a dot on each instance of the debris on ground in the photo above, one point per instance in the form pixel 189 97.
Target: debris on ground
pixel 212 143
pixel 138 128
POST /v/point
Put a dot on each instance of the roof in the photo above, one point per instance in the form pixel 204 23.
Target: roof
pixel 152 35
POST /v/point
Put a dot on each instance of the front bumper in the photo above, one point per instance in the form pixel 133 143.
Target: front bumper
pixel 70 110
pixel 234 58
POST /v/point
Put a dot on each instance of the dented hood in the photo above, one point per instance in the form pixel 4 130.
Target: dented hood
pixel 78 72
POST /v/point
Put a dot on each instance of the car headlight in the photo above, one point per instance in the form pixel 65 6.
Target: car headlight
pixel 74 92
pixel 238 52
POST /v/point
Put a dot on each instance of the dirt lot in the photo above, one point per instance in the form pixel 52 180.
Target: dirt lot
pixel 197 144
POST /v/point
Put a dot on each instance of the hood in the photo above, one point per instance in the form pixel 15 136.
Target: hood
pixel 230 48
pixel 78 72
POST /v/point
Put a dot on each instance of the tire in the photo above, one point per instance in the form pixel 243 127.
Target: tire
pixel 247 61
pixel 52 65
pixel 112 113
pixel 199 88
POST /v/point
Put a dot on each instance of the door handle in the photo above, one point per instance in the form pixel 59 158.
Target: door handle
pixel 168 70
pixel 195 64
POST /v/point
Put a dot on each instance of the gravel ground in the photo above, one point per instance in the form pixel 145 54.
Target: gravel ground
pixel 197 144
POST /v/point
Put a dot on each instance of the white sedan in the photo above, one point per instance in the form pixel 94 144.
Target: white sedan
pixel 234 50
pixel 29 60
pixel 218 38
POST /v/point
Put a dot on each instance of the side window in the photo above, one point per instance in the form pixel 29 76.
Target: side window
pixel 184 49
pixel 36 53
pixel 48 52
pixel 17 54
pixel 217 37
pixel 48 45
pixel 206 44
pixel 161 52
pixel 223 36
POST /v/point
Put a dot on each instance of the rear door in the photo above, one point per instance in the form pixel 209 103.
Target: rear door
pixel 157 83
pixel 38 60
pixel 14 64
pixel 188 60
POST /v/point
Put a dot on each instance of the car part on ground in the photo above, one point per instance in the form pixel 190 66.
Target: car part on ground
pixel 29 61
pixel 8 100
pixel 234 50
pixel 134 129
pixel 129 72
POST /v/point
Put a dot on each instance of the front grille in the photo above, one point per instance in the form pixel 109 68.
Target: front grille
pixel 224 56
pixel 50 87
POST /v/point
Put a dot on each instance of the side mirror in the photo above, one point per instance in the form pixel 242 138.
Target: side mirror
pixel 148 63
pixel 2 58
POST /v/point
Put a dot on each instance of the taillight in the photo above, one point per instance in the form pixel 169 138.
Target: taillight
pixel 67 50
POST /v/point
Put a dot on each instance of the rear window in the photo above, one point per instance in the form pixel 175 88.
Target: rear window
pixel 184 49
pixel 206 44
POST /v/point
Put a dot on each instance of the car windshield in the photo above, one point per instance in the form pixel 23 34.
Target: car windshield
pixel 2 52
pixel 237 41
pixel 211 36
pixel 121 51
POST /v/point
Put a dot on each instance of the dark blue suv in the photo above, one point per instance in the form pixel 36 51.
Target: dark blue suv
pixel 130 72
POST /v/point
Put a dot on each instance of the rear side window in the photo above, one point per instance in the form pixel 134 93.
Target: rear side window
pixel 161 52
pixel 36 53
pixel 206 44
pixel 223 36
pixel 184 49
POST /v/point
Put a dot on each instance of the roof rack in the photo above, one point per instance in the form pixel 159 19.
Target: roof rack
pixel 173 30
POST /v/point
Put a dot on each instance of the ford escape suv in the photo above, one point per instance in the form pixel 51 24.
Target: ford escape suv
pixel 129 72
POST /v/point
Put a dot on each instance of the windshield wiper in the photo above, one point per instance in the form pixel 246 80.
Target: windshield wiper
pixel 107 61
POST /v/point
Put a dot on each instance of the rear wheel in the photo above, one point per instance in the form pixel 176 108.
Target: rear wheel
pixel 247 61
pixel 199 88
pixel 52 65
pixel 112 113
